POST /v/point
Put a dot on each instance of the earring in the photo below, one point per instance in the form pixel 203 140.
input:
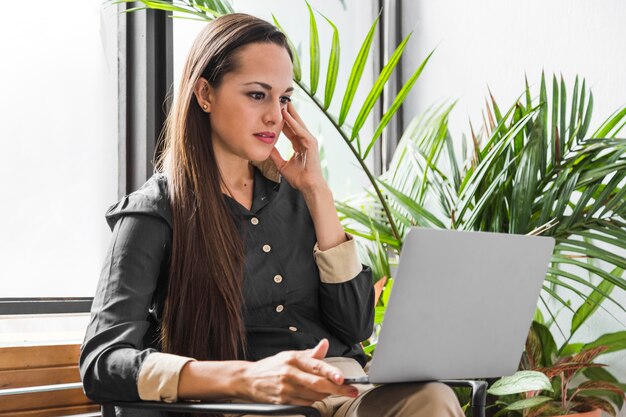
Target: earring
pixel 204 106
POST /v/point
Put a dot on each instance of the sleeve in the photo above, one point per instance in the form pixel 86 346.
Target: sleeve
pixel 346 292
pixel 113 353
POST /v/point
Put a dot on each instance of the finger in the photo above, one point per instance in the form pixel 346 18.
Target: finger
pixel 320 350
pixel 297 128
pixel 319 384
pixel 321 368
pixel 292 111
pixel 304 393
pixel 288 131
pixel 295 139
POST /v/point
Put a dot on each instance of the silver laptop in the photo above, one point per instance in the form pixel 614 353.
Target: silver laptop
pixel 461 305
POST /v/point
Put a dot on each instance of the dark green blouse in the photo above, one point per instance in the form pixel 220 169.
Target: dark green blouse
pixel 286 305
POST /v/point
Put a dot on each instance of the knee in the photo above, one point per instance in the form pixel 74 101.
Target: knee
pixel 439 394
pixel 434 399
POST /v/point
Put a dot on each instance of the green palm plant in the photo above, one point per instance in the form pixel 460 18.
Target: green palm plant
pixel 534 169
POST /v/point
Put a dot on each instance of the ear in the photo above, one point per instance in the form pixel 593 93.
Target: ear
pixel 204 93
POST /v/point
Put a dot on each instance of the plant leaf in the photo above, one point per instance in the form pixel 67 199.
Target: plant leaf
pixel 333 66
pixel 297 69
pixel 521 381
pixel 314 50
pixel 527 403
pixel 421 215
pixel 591 304
pixel 605 129
pixel 357 72
pixel 377 88
pixel 614 341
pixel 397 102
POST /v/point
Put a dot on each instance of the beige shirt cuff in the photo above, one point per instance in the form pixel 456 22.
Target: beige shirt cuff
pixel 338 264
pixel 158 377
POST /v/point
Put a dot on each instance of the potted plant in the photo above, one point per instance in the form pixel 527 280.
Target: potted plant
pixel 563 381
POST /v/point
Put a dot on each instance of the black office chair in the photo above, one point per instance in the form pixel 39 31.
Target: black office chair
pixel 478 395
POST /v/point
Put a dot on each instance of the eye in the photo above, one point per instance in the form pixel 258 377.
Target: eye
pixel 256 95
pixel 285 99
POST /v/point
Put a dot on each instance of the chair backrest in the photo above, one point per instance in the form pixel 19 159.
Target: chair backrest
pixel 42 381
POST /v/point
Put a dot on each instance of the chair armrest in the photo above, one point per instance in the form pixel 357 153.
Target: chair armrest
pixel 215 408
pixel 478 401
pixel 479 393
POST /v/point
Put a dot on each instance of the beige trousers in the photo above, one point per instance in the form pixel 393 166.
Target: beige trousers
pixel 431 399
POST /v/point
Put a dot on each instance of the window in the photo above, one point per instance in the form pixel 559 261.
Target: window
pixel 58 166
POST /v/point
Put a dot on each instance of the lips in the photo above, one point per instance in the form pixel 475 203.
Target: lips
pixel 267 137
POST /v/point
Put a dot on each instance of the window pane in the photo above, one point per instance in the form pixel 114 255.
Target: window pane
pixel 58 166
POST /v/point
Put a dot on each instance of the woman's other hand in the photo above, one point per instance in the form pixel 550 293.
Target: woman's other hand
pixel 303 170
pixel 293 377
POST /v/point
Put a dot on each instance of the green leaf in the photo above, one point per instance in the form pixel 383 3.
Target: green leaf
pixel 369 348
pixel 357 72
pixel 586 118
pixel 167 6
pixel 605 129
pixel 387 291
pixel 221 6
pixel 421 215
pixel 573 121
pixel 397 102
pixel 571 349
pixel 562 117
pixel 471 184
pixel 314 50
pixel 566 194
pixel 333 66
pixel 599 374
pixel 613 186
pixel 615 342
pixel 377 88
pixel 526 403
pixel 521 381
pixel 365 220
pixel 297 69
pixel 556 150
pixel 525 186
pixel 591 304
pixel 574 277
pixel 542 117
pixel 548 346
pixel 529 102
pixel 379 314
pixel 554 294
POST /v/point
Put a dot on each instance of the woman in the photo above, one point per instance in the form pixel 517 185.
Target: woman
pixel 229 275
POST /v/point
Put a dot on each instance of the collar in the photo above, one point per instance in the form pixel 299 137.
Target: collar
pixel 266 185
pixel 268 169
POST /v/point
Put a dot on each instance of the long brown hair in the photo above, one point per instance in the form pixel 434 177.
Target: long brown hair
pixel 203 313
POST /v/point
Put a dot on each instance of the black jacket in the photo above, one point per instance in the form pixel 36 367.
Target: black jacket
pixel 286 305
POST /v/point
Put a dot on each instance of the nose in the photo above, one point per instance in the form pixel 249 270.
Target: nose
pixel 273 113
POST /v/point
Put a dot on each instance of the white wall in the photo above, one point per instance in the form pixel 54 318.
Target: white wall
pixel 494 43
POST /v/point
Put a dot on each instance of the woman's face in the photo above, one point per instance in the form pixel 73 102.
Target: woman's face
pixel 246 108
